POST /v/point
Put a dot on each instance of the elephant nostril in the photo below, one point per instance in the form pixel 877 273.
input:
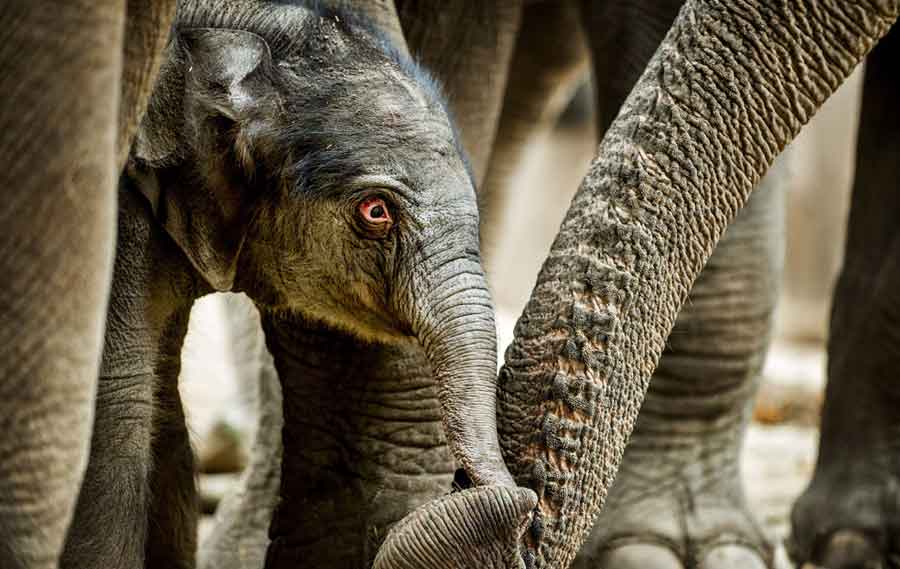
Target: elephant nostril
pixel 461 480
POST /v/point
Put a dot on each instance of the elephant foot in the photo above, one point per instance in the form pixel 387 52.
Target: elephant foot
pixel 849 515
pixel 643 555
pixel 847 522
pixel 678 507
pixel 678 532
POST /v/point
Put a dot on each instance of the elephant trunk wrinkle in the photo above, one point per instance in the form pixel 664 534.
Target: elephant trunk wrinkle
pixel 455 326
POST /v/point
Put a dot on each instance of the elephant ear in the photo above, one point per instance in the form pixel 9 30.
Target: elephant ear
pixel 228 96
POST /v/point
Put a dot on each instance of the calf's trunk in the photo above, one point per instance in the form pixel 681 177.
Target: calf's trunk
pixel 455 325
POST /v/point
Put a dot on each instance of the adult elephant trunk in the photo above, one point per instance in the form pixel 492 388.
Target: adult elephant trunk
pixel 729 87
pixel 453 318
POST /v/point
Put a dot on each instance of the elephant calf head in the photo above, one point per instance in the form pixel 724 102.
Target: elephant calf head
pixel 293 155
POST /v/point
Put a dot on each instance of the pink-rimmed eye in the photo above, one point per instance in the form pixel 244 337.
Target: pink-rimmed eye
pixel 375 211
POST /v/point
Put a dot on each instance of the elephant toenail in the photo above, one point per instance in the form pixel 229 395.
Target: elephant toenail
pixel 849 549
pixel 732 556
pixel 640 556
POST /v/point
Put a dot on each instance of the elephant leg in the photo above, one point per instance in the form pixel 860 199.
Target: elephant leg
pixel 147 30
pixel 467 45
pixel 240 537
pixel 60 66
pixel 678 499
pixel 174 509
pixel 849 516
pixel 550 58
pixel 137 506
pixel 152 292
pixel 363 444
pixel 110 524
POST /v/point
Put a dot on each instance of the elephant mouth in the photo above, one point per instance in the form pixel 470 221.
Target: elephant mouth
pixel 372 326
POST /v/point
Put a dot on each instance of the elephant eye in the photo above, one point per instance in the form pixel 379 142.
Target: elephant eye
pixel 375 219
pixel 375 211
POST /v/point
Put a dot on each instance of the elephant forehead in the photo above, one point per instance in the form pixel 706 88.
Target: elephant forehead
pixel 393 100
pixel 415 96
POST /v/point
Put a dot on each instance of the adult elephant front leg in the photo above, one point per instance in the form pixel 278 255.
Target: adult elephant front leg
pixel 549 60
pixel 467 45
pixel 850 514
pixel 60 74
pixel 678 500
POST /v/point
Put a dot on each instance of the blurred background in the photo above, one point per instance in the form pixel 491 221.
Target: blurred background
pixel 224 347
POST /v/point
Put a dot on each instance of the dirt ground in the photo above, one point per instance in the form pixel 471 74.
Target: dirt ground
pixel 780 448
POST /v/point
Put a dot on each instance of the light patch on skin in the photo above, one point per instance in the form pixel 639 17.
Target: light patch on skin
pixel 565 417
pixel 383 181
pixel 418 106
pixel 331 35
pixel 623 213
pixel 243 147
pixel 415 94
pixel 365 296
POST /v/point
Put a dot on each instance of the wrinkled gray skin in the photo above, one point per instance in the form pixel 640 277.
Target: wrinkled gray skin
pixel 729 87
pixel 268 131
pixel 67 67
pixel 645 222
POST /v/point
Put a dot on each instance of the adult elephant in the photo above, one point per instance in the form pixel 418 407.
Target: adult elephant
pixel 728 88
pixel 68 67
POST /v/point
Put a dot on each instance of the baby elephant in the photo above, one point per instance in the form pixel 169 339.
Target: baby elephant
pixel 291 154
